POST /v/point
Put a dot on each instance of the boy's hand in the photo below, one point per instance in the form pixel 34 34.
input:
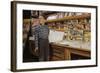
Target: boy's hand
pixel 36 49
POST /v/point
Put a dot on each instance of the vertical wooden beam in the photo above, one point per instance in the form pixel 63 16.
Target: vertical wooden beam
pixel 67 54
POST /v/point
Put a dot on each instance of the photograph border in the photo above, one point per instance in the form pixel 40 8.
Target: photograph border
pixel 14 34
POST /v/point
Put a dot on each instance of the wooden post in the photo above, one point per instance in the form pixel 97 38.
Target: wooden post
pixel 67 54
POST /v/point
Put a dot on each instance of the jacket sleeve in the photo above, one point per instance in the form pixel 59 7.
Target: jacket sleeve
pixel 36 37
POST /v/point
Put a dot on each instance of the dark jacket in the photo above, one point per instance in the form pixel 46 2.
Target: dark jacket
pixel 40 32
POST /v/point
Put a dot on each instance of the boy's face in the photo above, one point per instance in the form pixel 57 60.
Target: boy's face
pixel 42 20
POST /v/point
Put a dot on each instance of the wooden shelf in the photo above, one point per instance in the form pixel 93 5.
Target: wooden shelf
pixel 69 18
pixel 65 18
pixel 26 20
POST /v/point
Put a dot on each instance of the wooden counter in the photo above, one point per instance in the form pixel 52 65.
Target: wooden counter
pixel 64 52
pixel 60 51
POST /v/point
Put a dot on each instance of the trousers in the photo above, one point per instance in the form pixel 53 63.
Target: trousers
pixel 43 46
